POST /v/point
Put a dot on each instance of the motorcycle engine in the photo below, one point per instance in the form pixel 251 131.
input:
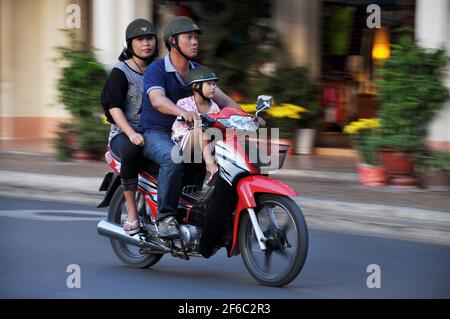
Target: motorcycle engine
pixel 189 236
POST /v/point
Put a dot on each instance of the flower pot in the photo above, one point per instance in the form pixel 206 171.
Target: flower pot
pixel 397 162
pixel 304 141
pixel 399 166
pixel 82 156
pixel 71 138
pixel 436 180
pixel 289 142
pixel 370 175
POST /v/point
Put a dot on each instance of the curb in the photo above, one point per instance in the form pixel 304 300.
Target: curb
pixel 350 177
pixel 327 214
pixel 395 222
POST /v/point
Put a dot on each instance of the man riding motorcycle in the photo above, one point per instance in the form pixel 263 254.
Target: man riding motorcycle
pixel 164 85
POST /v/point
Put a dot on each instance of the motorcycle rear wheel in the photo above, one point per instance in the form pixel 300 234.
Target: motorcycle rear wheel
pixel 283 223
pixel 130 255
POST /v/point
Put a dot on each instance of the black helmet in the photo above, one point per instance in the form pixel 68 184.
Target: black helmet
pixel 139 28
pixel 200 74
pixel 180 24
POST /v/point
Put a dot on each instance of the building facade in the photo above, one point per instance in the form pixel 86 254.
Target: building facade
pixel 29 107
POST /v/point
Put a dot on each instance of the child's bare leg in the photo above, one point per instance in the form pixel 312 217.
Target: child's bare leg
pixel 203 144
pixel 211 166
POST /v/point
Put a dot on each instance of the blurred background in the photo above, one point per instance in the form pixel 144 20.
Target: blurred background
pixel 321 60
pixel 361 93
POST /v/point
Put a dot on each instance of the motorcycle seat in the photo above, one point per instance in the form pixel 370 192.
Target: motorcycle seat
pixel 147 165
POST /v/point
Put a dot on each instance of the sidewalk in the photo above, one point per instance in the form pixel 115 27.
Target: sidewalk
pixel 332 198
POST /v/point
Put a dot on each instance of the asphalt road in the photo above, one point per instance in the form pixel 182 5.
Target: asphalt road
pixel 40 239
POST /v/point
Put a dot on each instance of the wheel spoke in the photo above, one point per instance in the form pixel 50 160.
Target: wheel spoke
pixel 277 218
pixel 285 227
pixel 284 254
pixel 269 211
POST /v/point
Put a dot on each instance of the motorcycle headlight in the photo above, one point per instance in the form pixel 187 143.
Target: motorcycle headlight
pixel 240 122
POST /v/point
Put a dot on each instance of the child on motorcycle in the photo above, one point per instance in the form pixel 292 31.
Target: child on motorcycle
pixel 203 82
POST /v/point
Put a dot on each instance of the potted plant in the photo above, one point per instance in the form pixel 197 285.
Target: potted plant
pixel 92 137
pixel 435 170
pixel 411 90
pixel 65 141
pixel 292 87
pixel 283 117
pixel 363 134
pixel 79 86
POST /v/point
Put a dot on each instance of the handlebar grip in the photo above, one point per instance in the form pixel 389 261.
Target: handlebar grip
pixel 180 118
pixel 206 119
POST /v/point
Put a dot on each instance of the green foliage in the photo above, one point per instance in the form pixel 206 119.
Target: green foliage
pixel 64 143
pixel 437 161
pixel 293 86
pixel 80 85
pixel 238 38
pixel 92 136
pixel 81 80
pixel 411 91
pixel 364 135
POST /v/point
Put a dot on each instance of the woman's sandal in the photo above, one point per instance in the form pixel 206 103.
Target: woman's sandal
pixel 132 228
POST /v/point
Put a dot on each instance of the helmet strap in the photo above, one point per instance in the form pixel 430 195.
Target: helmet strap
pixel 200 92
pixel 146 60
pixel 177 47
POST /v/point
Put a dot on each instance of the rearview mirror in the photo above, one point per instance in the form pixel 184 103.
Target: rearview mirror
pixel 264 102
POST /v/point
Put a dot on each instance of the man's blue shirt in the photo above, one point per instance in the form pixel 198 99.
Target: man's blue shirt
pixel 162 75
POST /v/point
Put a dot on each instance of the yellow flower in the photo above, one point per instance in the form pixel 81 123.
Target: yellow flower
pixel 284 112
pixel 360 125
pixel 349 129
pixel 250 108
pixel 293 107
pixel 105 120
pixel 287 110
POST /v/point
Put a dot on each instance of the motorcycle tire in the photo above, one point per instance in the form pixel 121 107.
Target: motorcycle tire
pixel 133 259
pixel 249 252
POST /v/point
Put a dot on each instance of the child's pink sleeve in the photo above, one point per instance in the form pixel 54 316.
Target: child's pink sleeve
pixel 182 103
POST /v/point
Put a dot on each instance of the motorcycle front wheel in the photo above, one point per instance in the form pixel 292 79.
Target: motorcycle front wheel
pixel 284 226
pixel 129 254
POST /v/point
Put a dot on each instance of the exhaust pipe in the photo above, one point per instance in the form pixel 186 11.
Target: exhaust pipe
pixel 113 231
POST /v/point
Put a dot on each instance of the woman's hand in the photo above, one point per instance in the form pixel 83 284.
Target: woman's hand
pixel 137 139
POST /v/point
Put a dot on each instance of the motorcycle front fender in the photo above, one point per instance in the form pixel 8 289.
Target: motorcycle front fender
pixel 247 188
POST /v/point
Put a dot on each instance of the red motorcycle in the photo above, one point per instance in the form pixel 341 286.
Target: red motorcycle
pixel 245 211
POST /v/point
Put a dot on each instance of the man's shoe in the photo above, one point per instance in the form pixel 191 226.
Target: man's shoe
pixel 168 228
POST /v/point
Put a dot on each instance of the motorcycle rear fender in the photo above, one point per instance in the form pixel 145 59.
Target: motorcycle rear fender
pixel 110 183
pixel 247 188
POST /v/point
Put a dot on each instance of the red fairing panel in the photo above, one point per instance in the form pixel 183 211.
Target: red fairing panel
pixel 248 186
pixel 246 189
